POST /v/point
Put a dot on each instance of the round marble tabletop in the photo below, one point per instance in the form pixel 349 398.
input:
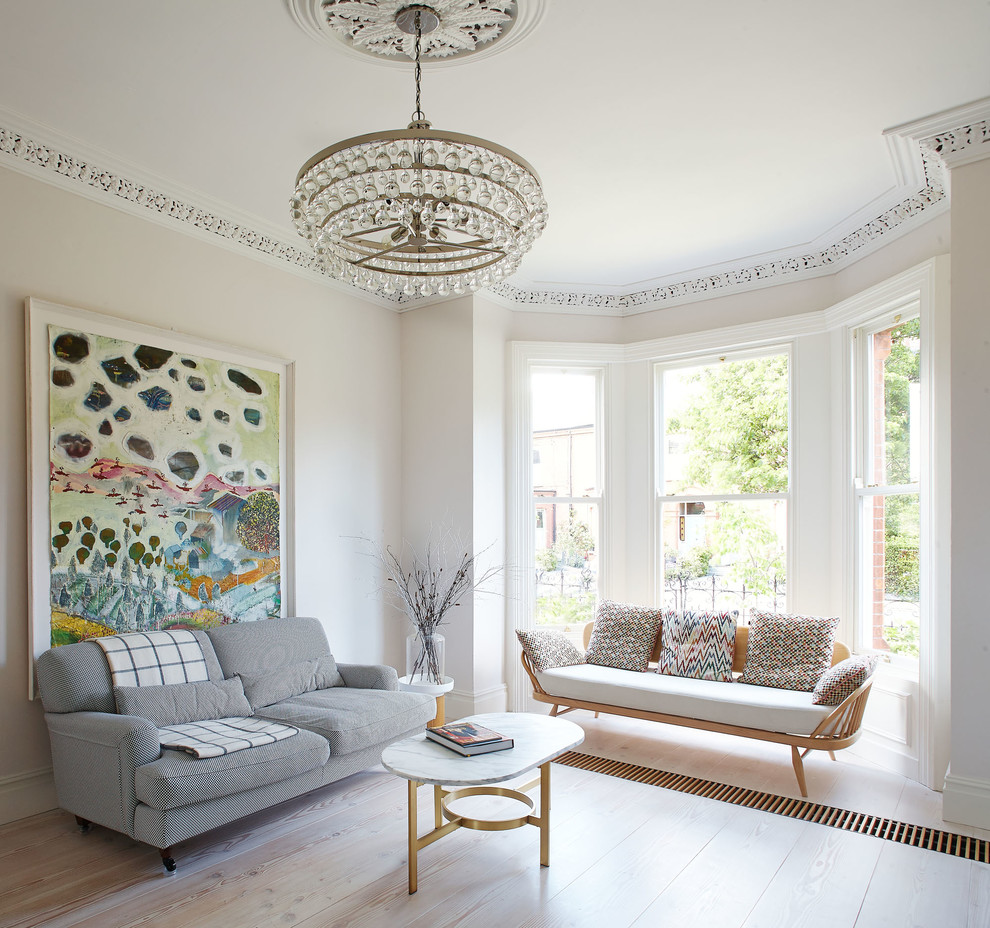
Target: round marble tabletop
pixel 537 739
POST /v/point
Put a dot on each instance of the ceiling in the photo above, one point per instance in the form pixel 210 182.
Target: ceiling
pixel 670 138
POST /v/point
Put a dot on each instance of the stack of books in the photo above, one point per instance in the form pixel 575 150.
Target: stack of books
pixel 468 739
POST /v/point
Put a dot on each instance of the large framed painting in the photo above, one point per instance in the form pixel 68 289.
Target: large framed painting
pixel 158 479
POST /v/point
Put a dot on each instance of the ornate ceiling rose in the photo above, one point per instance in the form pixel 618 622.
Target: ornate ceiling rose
pixel 464 27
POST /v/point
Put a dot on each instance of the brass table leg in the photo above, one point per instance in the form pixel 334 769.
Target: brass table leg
pixel 544 821
pixel 455 821
pixel 413 837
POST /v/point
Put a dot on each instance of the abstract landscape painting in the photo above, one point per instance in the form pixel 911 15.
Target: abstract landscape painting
pixel 164 470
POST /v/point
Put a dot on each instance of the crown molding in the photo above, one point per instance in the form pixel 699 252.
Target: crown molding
pixel 40 152
pixel 922 154
pixel 957 136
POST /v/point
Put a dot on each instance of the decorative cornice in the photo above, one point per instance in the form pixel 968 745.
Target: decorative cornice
pixel 798 266
pixel 933 143
pixel 66 170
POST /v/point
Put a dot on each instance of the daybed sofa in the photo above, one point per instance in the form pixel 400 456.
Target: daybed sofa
pixel 110 768
pixel 801 718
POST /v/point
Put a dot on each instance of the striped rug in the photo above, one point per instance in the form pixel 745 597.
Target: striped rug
pixel 932 839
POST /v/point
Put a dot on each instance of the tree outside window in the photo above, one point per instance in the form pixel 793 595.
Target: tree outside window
pixel 724 489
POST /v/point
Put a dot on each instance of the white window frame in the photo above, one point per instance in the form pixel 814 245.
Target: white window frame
pixel 912 694
pixel 863 489
pixel 520 588
pixel 661 499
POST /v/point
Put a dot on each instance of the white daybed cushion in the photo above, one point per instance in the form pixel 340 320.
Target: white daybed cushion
pixel 761 707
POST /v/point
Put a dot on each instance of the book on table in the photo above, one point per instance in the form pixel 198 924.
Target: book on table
pixel 468 739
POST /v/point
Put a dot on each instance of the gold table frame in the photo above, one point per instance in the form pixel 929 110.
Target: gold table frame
pixel 442 798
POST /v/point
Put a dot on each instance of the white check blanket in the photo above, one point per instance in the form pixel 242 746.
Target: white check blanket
pixel 154 658
pixel 222 736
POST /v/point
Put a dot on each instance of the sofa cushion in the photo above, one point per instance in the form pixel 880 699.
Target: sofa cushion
pixel 698 644
pixel 759 707
pixel 76 677
pixel 623 635
pixel 842 679
pixel 178 703
pixel 351 719
pixel 291 680
pixel 546 648
pixel 788 651
pixel 255 648
pixel 178 779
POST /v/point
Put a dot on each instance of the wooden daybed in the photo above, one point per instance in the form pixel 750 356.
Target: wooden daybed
pixel 760 712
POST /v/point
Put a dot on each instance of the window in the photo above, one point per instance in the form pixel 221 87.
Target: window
pixel 723 483
pixel 888 502
pixel 566 495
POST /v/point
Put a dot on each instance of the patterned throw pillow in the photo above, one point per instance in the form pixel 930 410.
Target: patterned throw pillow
pixel 548 649
pixel 790 652
pixel 623 635
pixel 842 679
pixel 698 645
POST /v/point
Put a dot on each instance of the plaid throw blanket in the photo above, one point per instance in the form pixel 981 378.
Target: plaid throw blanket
pixel 222 736
pixel 154 658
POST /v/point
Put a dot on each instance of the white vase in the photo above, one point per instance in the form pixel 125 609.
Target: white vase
pixel 425 658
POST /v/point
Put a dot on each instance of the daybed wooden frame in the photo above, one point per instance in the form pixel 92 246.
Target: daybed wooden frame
pixel 838 730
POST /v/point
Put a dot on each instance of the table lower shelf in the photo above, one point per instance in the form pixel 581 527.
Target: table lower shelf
pixel 443 798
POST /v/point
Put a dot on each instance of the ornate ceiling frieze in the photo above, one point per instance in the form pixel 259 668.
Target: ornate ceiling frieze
pixel 958 146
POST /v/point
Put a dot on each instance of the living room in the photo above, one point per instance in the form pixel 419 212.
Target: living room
pixel 403 420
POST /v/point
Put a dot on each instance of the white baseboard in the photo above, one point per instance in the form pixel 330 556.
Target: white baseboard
pixel 879 752
pixel 25 794
pixel 460 703
pixel 966 800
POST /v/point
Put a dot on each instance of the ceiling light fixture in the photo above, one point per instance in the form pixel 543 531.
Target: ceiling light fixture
pixel 419 211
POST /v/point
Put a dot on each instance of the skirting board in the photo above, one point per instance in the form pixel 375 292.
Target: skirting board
pixel 25 794
pixel 966 800
pixel 461 703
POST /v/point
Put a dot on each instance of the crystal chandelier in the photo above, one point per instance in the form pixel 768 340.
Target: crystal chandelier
pixel 419 211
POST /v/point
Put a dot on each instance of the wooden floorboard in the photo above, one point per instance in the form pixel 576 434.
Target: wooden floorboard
pixel 623 854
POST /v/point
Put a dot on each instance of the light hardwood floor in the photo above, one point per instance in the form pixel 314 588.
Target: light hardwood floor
pixel 622 854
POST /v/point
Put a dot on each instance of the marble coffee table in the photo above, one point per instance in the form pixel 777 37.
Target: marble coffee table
pixel 538 740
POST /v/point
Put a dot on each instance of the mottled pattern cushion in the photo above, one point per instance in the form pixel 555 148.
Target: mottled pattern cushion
pixel 788 651
pixel 291 680
pixel 178 703
pixel 548 649
pixel 623 636
pixel 842 679
pixel 698 645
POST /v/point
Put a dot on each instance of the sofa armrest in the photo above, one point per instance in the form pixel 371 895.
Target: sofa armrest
pixel 94 756
pixel 369 676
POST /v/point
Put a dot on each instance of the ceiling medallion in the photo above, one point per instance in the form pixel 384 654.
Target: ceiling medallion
pixel 460 26
pixel 418 211
pixel 467 28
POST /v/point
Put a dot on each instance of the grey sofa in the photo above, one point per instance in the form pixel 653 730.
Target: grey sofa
pixel 110 768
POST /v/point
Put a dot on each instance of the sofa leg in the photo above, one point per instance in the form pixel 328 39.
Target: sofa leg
pixel 84 825
pixel 168 861
pixel 799 770
pixel 831 754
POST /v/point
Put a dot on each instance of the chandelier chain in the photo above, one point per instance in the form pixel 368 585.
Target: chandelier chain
pixel 418 115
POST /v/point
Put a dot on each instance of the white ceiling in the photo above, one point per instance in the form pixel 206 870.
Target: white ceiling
pixel 669 137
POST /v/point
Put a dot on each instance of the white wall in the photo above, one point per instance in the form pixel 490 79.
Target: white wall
pixel 69 250
pixel 967 788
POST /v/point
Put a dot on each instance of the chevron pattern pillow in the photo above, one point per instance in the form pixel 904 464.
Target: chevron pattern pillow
pixel 623 635
pixel 547 649
pixel 698 645
pixel 791 652
pixel 844 678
